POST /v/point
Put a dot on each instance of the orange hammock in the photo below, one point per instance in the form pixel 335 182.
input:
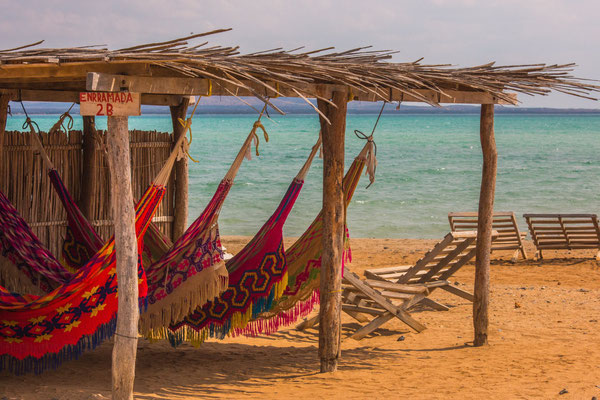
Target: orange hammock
pixel 40 332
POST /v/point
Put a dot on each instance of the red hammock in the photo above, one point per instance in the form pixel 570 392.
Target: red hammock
pixel 42 332
pixel 304 267
pixel 257 277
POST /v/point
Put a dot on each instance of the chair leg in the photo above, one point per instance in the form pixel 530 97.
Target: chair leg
pixel 433 304
pixel 523 253
pixel 360 317
pixel 309 323
pixel 459 292
pixel 515 256
pixel 371 326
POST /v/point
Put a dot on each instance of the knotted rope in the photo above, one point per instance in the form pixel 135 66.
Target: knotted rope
pixel 184 148
pixel 59 126
pixel 371 149
pixel 254 135
pixel 34 129
pixel 245 150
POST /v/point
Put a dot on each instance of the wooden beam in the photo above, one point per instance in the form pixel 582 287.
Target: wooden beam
pixel 73 69
pixel 64 96
pixel 125 347
pixel 89 167
pixel 484 226
pixel 449 96
pixel 333 229
pixel 181 174
pixel 199 86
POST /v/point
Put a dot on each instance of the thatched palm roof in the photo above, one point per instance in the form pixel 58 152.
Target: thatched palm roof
pixel 289 71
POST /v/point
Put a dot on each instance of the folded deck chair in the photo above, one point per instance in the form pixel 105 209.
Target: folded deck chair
pixel 40 332
pixel 389 293
pixel 304 263
pixel 258 275
pixel 505 222
pixel 405 286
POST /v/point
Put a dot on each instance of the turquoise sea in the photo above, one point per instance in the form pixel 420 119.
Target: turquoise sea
pixel 429 165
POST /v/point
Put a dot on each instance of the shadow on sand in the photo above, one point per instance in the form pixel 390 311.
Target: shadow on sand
pixel 221 370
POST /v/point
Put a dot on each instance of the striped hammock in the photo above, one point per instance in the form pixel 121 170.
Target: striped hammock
pixel 304 270
pixel 181 276
pixel 40 332
pixel 257 277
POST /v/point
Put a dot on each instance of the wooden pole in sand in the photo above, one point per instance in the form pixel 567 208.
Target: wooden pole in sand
pixel 4 99
pixel 484 225
pixel 181 174
pixel 90 165
pixel 125 347
pixel 333 230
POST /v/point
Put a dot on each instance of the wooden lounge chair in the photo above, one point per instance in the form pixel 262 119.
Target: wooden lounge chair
pixel 564 231
pixel 389 293
pixel 361 297
pixel 505 222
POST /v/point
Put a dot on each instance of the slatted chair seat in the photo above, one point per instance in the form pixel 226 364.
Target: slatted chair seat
pixel 504 222
pixel 564 232
pixel 389 293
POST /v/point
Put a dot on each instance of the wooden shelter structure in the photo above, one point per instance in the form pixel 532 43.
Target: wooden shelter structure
pixel 167 73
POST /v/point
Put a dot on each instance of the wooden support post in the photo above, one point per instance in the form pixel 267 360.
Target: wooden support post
pixel 125 347
pixel 89 167
pixel 181 174
pixel 333 230
pixel 484 225
pixel 4 99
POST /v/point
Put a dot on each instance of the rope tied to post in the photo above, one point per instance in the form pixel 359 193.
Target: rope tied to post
pixel 184 150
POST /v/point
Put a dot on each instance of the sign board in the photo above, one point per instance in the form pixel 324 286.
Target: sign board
pixel 116 104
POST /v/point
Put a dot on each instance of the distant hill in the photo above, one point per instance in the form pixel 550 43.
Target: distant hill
pixel 231 105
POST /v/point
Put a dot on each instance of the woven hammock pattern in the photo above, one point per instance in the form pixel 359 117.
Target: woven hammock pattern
pixel 42 332
pixel 304 269
pixel 257 277
pixel 191 273
pixel 20 245
pixel 81 240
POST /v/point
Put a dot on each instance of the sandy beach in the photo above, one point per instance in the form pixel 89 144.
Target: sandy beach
pixel 544 335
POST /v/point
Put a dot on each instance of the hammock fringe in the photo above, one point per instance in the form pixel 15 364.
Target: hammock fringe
pixel 285 318
pixel 191 294
pixel 237 322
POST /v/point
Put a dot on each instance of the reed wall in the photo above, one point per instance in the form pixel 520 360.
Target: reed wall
pixel 24 180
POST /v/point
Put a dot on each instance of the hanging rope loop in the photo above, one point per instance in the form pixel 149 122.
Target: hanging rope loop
pixel 254 135
pixel 31 125
pixel 59 126
pixel 371 159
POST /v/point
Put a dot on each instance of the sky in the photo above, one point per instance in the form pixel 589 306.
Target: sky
pixel 458 32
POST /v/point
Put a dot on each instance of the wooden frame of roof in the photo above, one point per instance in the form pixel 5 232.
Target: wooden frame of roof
pixel 177 68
